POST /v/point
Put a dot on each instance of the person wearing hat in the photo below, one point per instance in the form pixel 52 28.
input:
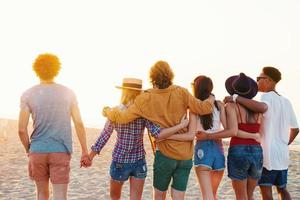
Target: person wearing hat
pixel 128 157
pixel 165 104
pixel 245 153
pixel 279 129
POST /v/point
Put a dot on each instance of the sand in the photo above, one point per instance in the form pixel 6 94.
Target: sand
pixel 93 183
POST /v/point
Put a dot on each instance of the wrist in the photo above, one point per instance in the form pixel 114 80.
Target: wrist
pixel 234 97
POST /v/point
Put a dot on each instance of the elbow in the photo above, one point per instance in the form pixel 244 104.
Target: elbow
pixel 22 131
pixel 233 132
pixel 264 108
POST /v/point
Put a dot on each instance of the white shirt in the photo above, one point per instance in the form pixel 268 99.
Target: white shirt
pixel 277 122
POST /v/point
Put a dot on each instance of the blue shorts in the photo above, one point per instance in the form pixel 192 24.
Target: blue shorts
pixel 210 154
pixel 245 161
pixel 273 177
pixel 122 171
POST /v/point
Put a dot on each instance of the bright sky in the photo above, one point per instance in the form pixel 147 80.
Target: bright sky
pixel 100 42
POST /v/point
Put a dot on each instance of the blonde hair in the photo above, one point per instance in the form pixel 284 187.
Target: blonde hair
pixel 46 66
pixel 129 95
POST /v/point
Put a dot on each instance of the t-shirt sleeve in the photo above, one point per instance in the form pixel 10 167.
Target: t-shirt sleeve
pixel 73 99
pixel 264 99
pixel 293 119
pixel 24 102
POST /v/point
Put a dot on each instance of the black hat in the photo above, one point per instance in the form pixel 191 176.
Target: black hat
pixel 241 85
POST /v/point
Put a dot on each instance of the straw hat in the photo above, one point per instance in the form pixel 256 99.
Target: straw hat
pixel 131 83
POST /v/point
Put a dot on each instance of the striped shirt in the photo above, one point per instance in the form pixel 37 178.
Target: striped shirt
pixel 129 146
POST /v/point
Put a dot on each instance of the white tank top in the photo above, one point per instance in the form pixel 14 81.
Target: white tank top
pixel 216 121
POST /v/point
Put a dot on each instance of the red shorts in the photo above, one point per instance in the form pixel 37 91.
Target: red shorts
pixel 55 166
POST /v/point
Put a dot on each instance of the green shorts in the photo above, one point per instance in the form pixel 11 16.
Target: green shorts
pixel 166 168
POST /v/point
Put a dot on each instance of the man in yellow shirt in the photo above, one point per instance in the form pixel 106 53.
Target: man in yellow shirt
pixel 165 105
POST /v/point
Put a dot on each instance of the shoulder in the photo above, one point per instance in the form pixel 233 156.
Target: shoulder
pixel 30 91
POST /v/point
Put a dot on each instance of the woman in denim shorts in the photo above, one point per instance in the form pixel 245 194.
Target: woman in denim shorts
pixel 245 156
pixel 209 160
pixel 245 153
pixel 128 158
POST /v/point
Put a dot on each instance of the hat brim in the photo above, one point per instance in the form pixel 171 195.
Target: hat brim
pixel 129 88
pixel 253 88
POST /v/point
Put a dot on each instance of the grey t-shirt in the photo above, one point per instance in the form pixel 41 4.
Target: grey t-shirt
pixel 50 107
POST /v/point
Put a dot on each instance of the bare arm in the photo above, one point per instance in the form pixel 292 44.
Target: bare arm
pixel 190 135
pixel 23 131
pixel 166 132
pixel 222 114
pixel 244 134
pixel 79 127
pixel 255 106
pixel 293 134
pixel 231 128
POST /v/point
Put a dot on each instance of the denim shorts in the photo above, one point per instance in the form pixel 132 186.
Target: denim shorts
pixel 273 177
pixel 122 171
pixel 245 161
pixel 210 154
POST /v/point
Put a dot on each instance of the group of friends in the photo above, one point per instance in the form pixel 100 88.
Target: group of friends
pixel 259 132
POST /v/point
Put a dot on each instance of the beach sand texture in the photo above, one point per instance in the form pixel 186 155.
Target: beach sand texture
pixel 93 183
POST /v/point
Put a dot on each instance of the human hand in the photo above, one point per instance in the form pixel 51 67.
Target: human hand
pixel 201 135
pixel 228 99
pixel 257 137
pixel 184 121
pixel 105 110
pixel 85 161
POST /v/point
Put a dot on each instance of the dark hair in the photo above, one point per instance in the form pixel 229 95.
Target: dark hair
pixel 161 75
pixel 273 73
pixel 203 86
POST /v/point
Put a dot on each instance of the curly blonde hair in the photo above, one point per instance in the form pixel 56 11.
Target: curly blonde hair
pixel 46 66
pixel 161 75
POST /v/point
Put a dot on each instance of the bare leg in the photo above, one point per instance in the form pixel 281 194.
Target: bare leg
pixel 251 184
pixel 159 195
pixel 60 191
pixel 136 188
pixel 177 195
pixel 216 178
pixel 283 194
pixel 42 188
pixel 204 179
pixel 266 192
pixel 240 189
pixel 115 189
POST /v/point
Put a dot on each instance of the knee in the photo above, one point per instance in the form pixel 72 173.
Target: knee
pixel 43 192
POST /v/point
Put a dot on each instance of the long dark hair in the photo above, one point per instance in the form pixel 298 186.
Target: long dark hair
pixel 203 87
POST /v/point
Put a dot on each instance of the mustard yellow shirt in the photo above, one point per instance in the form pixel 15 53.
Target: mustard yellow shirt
pixel 166 108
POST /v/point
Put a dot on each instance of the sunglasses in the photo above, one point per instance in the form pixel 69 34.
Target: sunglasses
pixel 260 77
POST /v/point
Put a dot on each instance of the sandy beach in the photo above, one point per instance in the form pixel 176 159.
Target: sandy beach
pixel 93 183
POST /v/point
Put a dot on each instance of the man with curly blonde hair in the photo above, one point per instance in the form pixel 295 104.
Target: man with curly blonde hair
pixel 165 105
pixel 49 147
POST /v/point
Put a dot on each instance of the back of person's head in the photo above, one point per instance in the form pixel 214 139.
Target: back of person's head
pixel 203 86
pixel 161 75
pixel 131 88
pixel 46 66
pixel 273 73
pixel 129 95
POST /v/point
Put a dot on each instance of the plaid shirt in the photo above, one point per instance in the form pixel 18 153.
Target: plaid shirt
pixel 129 147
